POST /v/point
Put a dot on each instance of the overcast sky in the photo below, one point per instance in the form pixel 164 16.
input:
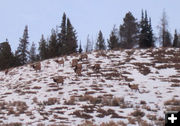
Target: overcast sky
pixel 87 16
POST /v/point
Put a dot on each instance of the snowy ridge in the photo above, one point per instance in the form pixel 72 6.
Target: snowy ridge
pixel 28 97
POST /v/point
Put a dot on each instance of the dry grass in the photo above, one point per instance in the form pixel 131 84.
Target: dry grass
pixel 71 101
pixel 80 114
pixel 137 113
pixel 51 101
pixel 87 123
pixel 172 102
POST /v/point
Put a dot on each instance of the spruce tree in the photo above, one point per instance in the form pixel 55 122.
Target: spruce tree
pixel 113 39
pixel 32 53
pixel 53 44
pixel 175 41
pixel 164 34
pixel 62 36
pixel 22 51
pixel 80 48
pixel 71 43
pixel 129 32
pixel 7 59
pixel 146 39
pixel 100 44
pixel 43 49
pixel 89 45
pixel 167 39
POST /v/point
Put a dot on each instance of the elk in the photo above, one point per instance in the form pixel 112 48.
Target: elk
pixel 78 72
pixel 58 79
pixel 37 66
pixel 133 87
pixel 83 56
pixel 74 62
pixel 78 69
pixel 6 71
pixel 60 62
pixel 96 67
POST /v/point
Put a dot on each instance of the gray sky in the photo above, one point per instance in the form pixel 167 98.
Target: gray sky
pixel 87 16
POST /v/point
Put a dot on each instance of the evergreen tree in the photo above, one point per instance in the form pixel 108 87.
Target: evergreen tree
pixel 80 48
pixel 71 39
pixel 164 35
pixel 129 31
pixel 43 49
pixel 22 50
pixel 89 45
pixel 6 56
pixel 146 39
pixel 167 39
pixel 100 43
pixel 62 36
pixel 53 44
pixel 32 53
pixel 175 41
pixel 113 39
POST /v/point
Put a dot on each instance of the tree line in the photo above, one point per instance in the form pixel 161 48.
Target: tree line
pixel 63 40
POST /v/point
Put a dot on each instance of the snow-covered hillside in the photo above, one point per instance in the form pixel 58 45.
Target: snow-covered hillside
pixel 32 98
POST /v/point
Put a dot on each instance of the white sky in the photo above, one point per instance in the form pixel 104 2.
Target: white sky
pixel 87 16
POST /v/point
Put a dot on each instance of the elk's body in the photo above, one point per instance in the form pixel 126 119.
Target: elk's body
pixel 96 67
pixel 74 62
pixel 36 66
pixel 134 87
pixel 83 56
pixel 58 79
pixel 78 69
pixel 6 71
pixel 60 62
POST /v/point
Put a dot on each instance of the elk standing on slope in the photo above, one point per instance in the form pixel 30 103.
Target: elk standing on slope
pixel 134 87
pixel 74 62
pixel 78 69
pixel 36 66
pixel 60 62
pixel 83 56
pixel 96 67
pixel 58 79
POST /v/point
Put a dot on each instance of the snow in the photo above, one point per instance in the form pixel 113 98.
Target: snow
pixel 25 85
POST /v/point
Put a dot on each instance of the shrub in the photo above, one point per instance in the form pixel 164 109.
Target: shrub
pixel 138 113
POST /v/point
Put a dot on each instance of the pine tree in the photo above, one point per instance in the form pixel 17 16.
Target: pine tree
pixel 129 32
pixel 146 39
pixel 175 41
pixel 164 35
pixel 113 39
pixel 71 43
pixel 7 59
pixel 167 39
pixel 43 49
pixel 89 45
pixel 100 43
pixel 32 53
pixel 53 44
pixel 80 48
pixel 22 50
pixel 62 36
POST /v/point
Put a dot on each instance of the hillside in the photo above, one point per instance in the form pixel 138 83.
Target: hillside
pixel 32 98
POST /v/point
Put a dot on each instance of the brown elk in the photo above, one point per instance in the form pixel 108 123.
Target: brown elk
pixel 133 87
pixel 58 79
pixel 78 72
pixel 83 56
pixel 6 71
pixel 96 67
pixel 37 66
pixel 74 62
pixel 60 62
pixel 78 69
